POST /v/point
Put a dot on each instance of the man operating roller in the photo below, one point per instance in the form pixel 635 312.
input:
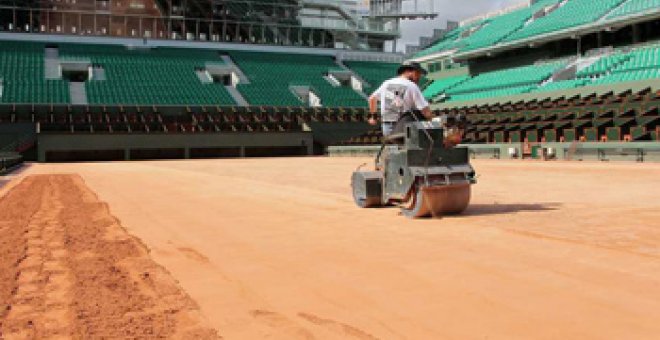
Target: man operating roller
pixel 400 98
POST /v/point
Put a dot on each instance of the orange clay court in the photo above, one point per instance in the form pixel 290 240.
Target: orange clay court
pixel 276 248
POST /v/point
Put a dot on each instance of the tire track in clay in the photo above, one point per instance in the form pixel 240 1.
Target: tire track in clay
pixel 69 270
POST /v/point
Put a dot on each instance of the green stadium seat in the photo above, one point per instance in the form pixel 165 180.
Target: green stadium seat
pixel 373 72
pixel 440 86
pixel 161 76
pixel 482 137
pixel 624 124
pixel 594 133
pixel 570 135
pixel 515 137
pixel 532 136
pixel 451 40
pixel 631 7
pixel 647 121
pixel 586 115
pixel 613 134
pixel 500 137
pixel 499 27
pixel 573 13
pixel 521 23
pixel 542 126
pixel 639 133
pixel 550 135
pixel 500 84
pixel 24 80
pixel 272 88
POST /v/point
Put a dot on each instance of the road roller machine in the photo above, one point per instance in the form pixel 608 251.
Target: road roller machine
pixel 420 170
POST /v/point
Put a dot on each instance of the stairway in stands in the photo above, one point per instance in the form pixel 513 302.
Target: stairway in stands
pixel 78 93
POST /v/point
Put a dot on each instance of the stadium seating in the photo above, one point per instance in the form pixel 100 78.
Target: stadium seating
pixel 621 66
pixel 22 72
pixel 486 32
pixel 572 13
pixel 169 76
pixel 640 64
pixel 502 83
pixel 272 74
pixel 147 77
pixel 644 58
pixel 450 40
pixel 591 118
pixel 603 65
pixel 529 21
pixel 439 86
pixel 173 119
pixel 492 93
pixel 631 7
pixel 561 85
pixel 497 28
pixel 373 72
pixel 588 119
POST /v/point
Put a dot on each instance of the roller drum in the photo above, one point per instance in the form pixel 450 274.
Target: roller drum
pixel 438 201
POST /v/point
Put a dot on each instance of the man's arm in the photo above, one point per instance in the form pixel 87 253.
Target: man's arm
pixel 373 107
pixel 428 114
pixel 422 104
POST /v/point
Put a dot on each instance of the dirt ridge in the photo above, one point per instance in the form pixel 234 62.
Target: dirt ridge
pixel 69 269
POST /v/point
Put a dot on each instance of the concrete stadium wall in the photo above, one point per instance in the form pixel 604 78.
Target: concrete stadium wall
pixel 63 147
pixel 10 133
pixel 585 151
pixel 333 133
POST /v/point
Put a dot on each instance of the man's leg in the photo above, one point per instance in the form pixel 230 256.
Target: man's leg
pixel 387 130
pixel 400 126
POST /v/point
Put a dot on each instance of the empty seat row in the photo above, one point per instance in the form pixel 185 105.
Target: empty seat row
pixel 619 67
pixel 274 77
pixel 121 75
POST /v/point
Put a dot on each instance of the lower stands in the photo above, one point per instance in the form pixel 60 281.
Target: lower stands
pixel 68 132
pixel 102 133
pixel 173 119
pixel 627 116
pixel 610 126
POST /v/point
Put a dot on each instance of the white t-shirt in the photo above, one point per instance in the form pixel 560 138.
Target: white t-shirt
pixel 399 95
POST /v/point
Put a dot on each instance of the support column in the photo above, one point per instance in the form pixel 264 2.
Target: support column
pixel 186 153
pixel 241 152
pixel 579 46
pixel 127 154
pixel 41 154
pixel 310 148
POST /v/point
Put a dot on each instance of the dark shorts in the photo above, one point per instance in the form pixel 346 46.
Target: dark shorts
pixel 399 127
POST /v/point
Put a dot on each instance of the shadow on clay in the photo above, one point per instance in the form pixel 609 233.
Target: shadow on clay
pixel 496 209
